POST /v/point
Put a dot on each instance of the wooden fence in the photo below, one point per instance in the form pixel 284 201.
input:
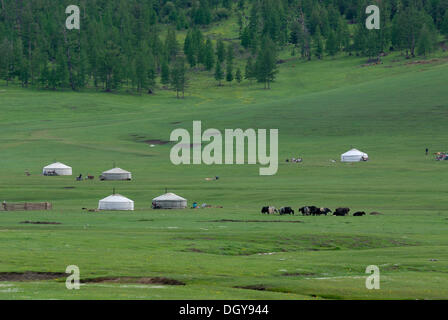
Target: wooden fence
pixel 5 206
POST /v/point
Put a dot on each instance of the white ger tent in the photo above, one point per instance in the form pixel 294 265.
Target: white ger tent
pixel 169 201
pixel 116 174
pixel 57 168
pixel 116 202
pixel 354 155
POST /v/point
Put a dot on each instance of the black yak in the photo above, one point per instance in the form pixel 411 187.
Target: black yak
pixel 305 211
pixel 286 210
pixel 325 211
pixel 269 210
pixel 341 211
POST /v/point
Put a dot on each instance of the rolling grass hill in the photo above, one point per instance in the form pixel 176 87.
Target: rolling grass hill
pixel 391 111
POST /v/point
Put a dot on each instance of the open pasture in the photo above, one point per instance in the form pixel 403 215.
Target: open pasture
pixel 391 111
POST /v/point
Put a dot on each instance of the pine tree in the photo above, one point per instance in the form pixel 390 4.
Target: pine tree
pixel 61 72
pixel 6 60
pixel 238 75
pixel 189 49
pixel 253 28
pixel 201 13
pixel 266 64
pixel 332 46
pixel 171 44
pixel 229 63
pixel 406 29
pixel 241 4
pixel 45 76
pixel 245 37
pixel 198 46
pixel 319 44
pixel 220 51
pixel 296 34
pixel 305 37
pixel 343 35
pixel 165 74
pixel 444 24
pixel 219 75
pixel 425 43
pixel 178 76
pixel 250 70
pixel 373 44
pixel 151 74
pixel 229 73
pixel 360 39
pixel 230 55
pixel 110 66
pixel 227 4
pixel 209 55
pixel 142 69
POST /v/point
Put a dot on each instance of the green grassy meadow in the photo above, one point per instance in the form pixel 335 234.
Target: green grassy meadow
pixel 391 111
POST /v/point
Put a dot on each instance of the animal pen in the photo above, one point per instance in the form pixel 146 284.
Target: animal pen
pixel 26 206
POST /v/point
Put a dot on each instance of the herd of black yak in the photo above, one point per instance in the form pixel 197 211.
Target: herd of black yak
pixel 312 211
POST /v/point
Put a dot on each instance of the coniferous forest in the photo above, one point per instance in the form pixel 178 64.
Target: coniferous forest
pixel 143 45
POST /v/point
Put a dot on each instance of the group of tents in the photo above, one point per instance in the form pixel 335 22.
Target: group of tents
pixel 60 169
pixel 165 201
pixel 117 201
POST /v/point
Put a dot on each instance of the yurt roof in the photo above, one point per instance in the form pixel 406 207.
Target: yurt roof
pixel 116 170
pixel 354 152
pixel 57 165
pixel 169 197
pixel 116 198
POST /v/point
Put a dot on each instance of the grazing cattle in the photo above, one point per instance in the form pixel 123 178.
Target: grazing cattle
pixel 325 211
pixel 310 210
pixel 272 210
pixel 286 210
pixel 315 211
pixel 269 210
pixel 359 213
pixel 341 211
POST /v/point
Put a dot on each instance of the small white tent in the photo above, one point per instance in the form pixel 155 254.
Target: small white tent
pixel 116 202
pixel 116 174
pixel 354 155
pixel 57 168
pixel 169 201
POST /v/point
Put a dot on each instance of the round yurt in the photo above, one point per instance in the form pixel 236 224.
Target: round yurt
pixel 57 169
pixel 116 174
pixel 116 202
pixel 169 201
pixel 354 155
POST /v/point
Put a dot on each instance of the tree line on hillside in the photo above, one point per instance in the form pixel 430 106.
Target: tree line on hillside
pixel 135 44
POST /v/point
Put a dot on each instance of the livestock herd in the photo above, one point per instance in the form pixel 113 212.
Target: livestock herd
pixel 310 211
